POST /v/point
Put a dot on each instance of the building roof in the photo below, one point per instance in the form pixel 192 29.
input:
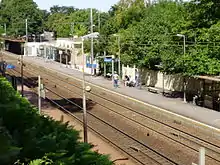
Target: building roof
pixel 71 39
pixel 13 39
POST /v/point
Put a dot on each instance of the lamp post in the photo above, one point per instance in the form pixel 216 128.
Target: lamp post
pixel 92 51
pixel 119 54
pixel 84 97
pixel 22 60
pixel 85 88
pixel 184 52
pixel 113 58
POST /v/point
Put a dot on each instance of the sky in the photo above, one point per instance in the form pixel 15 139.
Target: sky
pixel 103 5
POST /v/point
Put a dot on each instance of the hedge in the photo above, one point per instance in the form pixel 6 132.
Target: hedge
pixel 29 138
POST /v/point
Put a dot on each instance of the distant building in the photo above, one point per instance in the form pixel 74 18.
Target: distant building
pixel 47 36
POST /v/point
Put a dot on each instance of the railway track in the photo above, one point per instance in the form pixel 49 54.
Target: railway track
pixel 137 150
pixel 156 127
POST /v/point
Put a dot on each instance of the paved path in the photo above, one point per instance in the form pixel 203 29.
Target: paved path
pixel 177 106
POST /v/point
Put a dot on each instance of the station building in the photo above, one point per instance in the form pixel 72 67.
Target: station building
pixel 63 50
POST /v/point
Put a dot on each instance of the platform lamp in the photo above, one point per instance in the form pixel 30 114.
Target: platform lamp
pixel 184 52
pixel 119 53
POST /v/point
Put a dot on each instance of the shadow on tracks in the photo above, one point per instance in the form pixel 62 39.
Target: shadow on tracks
pixel 74 105
pixel 30 82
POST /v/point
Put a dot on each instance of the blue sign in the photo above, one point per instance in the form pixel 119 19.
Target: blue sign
pixel 107 59
pixel 10 66
pixel 88 65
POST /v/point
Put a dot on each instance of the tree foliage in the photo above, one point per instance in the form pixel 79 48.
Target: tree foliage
pixel 26 136
pixel 147 31
pixel 14 13
pixel 148 35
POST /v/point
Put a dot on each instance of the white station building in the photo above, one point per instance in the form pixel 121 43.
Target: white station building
pixel 64 50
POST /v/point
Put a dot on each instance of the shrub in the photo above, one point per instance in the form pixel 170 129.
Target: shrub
pixel 29 137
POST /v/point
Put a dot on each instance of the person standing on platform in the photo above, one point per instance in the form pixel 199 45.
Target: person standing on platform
pixel 115 79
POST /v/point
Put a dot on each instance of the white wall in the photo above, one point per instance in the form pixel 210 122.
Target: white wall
pixel 30 48
pixel 129 71
pixel 155 78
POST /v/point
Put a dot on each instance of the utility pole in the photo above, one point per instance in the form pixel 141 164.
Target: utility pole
pixel 104 64
pixel 26 23
pixel 119 57
pixel 91 31
pixel 84 98
pixel 39 94
pixel 184 78
pixel 184 52
pixel 22 60
pixel 113 69
pixel 72 29
pixel 99 22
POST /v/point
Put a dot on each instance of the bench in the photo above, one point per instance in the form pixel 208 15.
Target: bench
pixel 168 93
pixel 152 89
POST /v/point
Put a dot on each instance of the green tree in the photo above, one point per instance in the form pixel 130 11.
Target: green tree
pixel 62 9
pixel 59 23
pixel 149 41
pixel 31 138
pixel 14 13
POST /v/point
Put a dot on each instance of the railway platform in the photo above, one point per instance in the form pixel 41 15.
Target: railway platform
pixel 198 114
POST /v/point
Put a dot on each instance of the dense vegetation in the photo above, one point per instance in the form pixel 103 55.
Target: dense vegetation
pixel 147 31
pixel 28 138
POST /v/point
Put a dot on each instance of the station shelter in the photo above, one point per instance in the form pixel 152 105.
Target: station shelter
pixel 209 95
pixel 15 46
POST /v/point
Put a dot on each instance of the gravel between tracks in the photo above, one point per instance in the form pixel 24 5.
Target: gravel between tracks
pixel 100 145
pixel 143 153
pixel 134 124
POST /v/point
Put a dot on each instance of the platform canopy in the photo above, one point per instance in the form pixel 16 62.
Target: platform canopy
pixel 211 78
pixel 13 39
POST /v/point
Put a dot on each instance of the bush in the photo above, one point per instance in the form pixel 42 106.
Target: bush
pixel 31 138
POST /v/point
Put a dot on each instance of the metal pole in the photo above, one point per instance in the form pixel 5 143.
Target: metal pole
pixel 184 81
pixel 26 23
pixel 184 45
pixel 119 57
pixel 99 22
pixel 72 29
pixel 92 56
pixel 22 65
pixel 163 82
pixel 22 78
pixel 66 60
pixel 112 70
pixel 104 64
pixel 39 94
pixel 84 99
pixel 60 58
pixel 45 51
pixel 202 156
